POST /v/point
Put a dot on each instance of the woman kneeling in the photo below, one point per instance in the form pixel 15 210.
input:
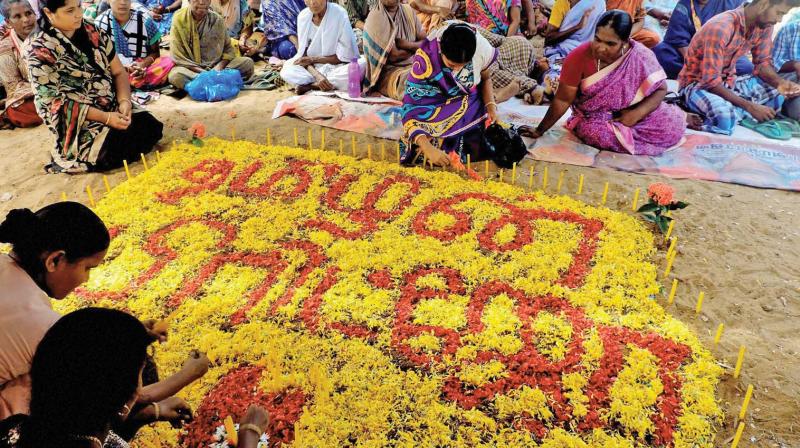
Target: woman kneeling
pixel 615 87
pixel 81 90
pixel 444 108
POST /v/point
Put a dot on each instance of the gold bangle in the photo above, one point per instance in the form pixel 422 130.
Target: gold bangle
pixel 251 427
pixel 157 410
pixel 108 117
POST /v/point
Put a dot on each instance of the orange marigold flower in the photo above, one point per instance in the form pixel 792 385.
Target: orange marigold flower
pixel 661 193
pixel 197 130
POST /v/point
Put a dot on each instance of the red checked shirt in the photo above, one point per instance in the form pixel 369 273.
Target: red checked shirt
pixel 712 55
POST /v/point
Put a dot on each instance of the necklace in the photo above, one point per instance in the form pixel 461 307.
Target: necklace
pixel 95 441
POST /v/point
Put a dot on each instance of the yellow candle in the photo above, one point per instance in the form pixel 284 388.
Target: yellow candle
pixel 580 184
pixel 233 133
pixel 486 169
pixel 672 245
pixel 91 196
pixel 144 161
pixel 341 146
pixel 127 171
pixel 718 336
pixel 560 181
pixel 501 175
pixel 424 161
pixel 296 143
pixel 670 260
pixel 383 151
pixel 308 140
pixel 369 152
pixel 544 179
pixel 398 152
pixel 635 198
pixel 353 144
pixel 514 173
pixel 269 137
pixel 739 361
pixel 738 435
pixel 158 156
pixel 669 229
pixel 322 139
pixel 105 182
pixel 605 194
pixel 746 401
pixel 63 196
pixel 233 437
pixel 469 161
pixel 672 291
pixel 530 179
pixel 699 305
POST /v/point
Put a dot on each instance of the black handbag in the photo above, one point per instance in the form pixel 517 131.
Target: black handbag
pixel 505 145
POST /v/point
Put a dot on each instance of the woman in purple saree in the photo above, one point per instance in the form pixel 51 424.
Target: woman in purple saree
pixel 616 88
pixel 448 96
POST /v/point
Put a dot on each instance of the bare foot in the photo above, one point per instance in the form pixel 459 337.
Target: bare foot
pixel 694 122
pixel 512 89
pixel 535 96
pixel 302 90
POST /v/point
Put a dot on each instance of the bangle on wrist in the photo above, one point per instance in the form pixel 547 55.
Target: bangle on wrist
pixel 251 427
pixel 491 103
pixel 108 117
pixel 156 410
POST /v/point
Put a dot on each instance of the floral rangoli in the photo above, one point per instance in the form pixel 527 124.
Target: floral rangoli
pixel 365 304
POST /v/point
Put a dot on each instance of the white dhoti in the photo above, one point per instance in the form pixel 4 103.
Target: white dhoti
pixel 336 74
pixel 333 36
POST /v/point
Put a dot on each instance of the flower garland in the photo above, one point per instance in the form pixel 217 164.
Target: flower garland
pixel 363 303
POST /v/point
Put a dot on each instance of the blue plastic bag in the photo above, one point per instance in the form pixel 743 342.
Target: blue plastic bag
pixel 215 85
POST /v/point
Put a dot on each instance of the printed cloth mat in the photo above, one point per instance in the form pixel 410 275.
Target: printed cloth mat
pixel 744 158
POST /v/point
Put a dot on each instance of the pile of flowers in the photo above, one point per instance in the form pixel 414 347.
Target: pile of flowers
pixel 366 304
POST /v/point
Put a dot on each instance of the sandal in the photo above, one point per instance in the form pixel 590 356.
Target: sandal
pixel 790 125
pixel 770 129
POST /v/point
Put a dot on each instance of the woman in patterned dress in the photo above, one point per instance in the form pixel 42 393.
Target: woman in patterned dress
pixel 82 93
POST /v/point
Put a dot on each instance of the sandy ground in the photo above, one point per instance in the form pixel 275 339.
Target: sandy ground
pixel 738 244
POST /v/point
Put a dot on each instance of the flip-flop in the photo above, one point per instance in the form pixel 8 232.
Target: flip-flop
pixel 770 129
pixel 788 124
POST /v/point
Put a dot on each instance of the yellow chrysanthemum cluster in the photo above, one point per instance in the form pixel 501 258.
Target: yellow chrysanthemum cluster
pixel 386 357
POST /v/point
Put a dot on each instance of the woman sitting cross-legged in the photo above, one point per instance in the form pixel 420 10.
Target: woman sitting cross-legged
pixel 200 42
pixel 616 88
pixel 87 376
pixel 448 96
pixel 82 92
pixel 136 41
pixel 20 23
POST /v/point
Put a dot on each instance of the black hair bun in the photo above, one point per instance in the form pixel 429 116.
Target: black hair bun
pixel 20 224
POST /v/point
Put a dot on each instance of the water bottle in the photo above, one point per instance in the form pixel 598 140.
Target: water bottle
pixel 354 75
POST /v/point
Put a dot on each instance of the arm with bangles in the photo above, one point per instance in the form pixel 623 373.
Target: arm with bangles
pixel 121 118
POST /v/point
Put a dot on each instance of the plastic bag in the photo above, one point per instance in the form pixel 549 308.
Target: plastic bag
pixel 215 85
pixel 505 144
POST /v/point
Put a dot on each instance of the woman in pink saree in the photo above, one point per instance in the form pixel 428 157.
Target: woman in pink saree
pixel 615 87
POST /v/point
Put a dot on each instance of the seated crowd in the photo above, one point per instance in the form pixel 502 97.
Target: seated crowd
pixel 597 58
